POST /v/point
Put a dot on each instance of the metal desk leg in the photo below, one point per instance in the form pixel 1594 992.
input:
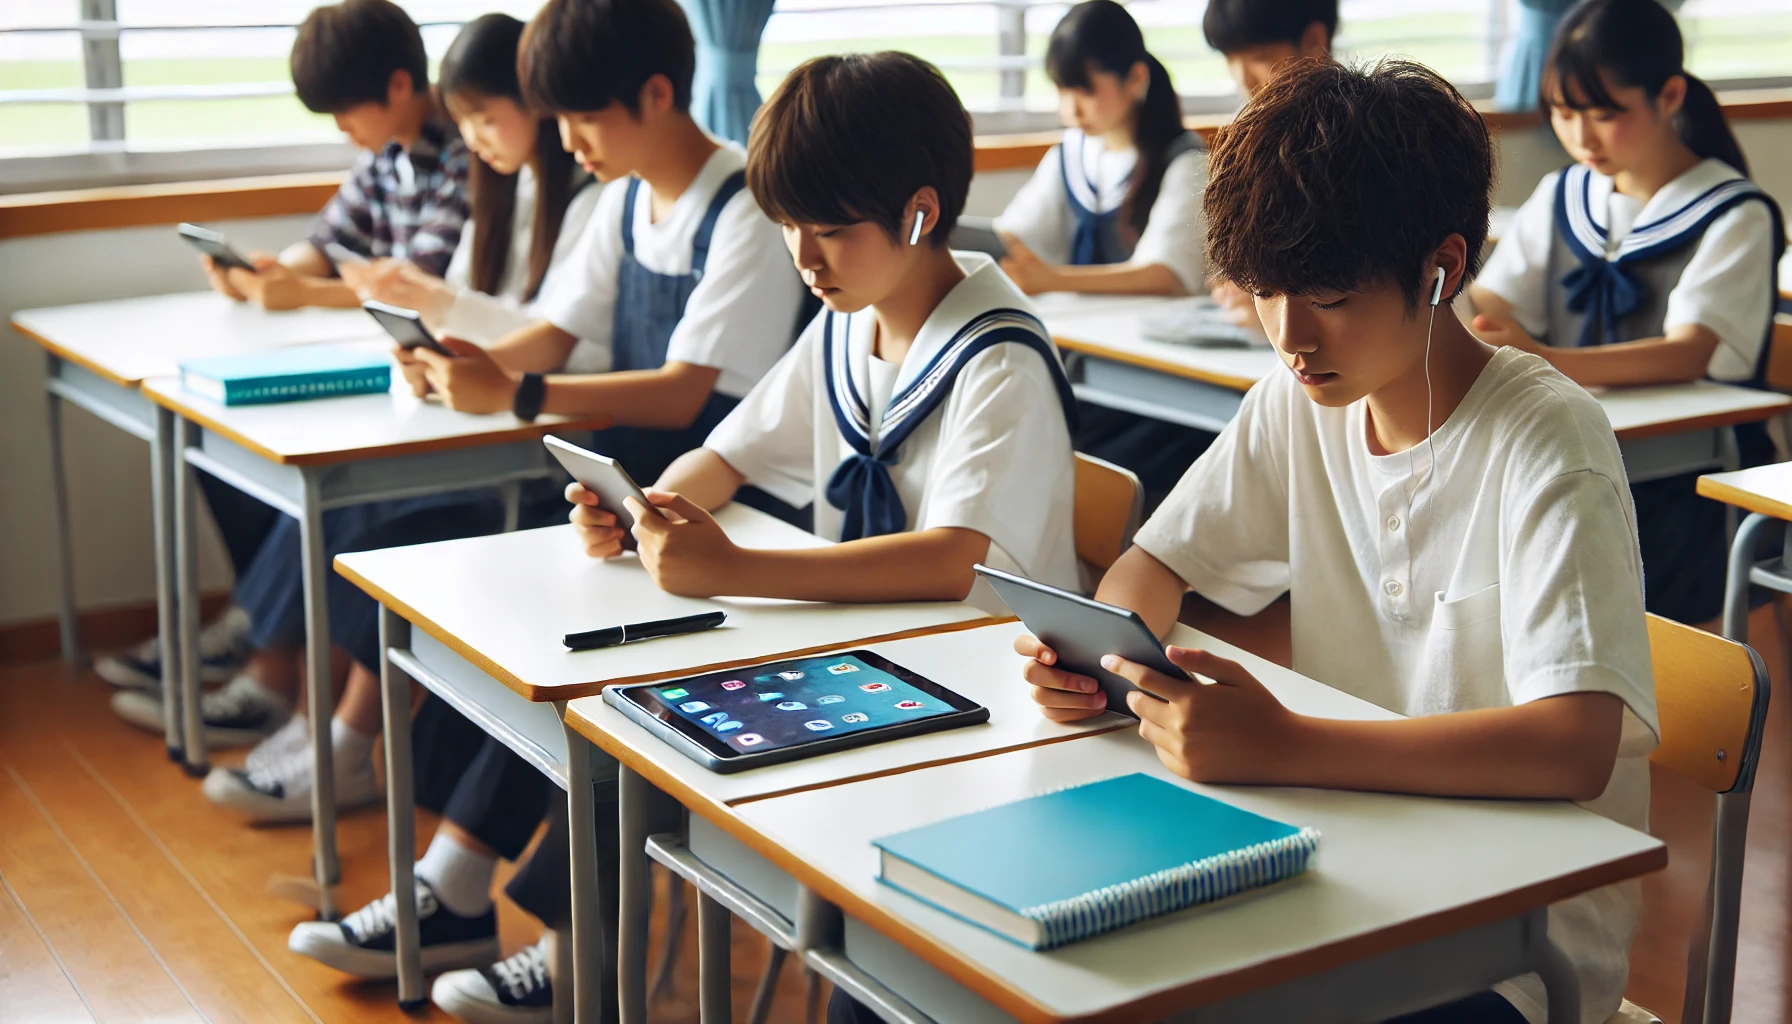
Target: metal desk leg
pixel 162 455
pixel 186 600
pixel 635 898
pixel 589 950
pixel 66 618
pixel 1553 966
pixel 401 809
pixel 1736 583
pixel 319 698
pixel 714 998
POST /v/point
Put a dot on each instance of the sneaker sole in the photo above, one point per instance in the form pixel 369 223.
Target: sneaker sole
pixel 328 948
pixel 222 788
pixel 147 715
pixel 473 1009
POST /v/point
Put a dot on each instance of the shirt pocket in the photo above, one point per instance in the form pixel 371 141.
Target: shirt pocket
pixel 1463 612
pixel 1464 664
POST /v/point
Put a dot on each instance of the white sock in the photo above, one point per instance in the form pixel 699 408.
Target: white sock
pixel 461 878
pixel 350 751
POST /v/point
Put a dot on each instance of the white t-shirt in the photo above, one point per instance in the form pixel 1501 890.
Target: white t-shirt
pixel 1724 288
pixel 1508 576
pixel 994 457
pixel 743 312
pixel 1039 214
pixel 483 319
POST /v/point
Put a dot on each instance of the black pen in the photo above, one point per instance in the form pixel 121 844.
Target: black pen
pixel 611 636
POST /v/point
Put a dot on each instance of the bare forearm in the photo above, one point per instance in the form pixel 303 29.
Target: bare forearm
pixel 1646 361
pixel 1145 585
pixel 329 292
pixel 1556 748
pixel 931 565
pixel 702 476
pixel 538 348
pixel 1121 279
pixel 668 398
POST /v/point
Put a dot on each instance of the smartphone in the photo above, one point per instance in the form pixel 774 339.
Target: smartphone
pixel 405 326
pixel 1081 631
pixel 340 254
pixel 602 476
pixel 215 245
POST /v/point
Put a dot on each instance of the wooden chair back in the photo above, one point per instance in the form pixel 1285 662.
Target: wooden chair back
pixel 1711 700
pixel 1110 503
pixel 1779 355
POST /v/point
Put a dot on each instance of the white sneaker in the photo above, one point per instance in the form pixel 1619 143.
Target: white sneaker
pixel 362 943
pixel 223 648
pixel 294 735
pixel 278 788
pixel 517 990
pixel 237 714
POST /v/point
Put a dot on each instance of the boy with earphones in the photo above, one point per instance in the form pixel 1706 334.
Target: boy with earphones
pixel 1451 519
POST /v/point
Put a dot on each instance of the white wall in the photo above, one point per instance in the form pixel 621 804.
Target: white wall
pixel 109 471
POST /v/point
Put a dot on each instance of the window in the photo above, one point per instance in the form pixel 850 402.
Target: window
pixel 138 90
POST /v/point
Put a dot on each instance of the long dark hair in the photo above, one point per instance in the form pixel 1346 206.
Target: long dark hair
pixel 1637 43
pixel 1100 36
pixel 482 62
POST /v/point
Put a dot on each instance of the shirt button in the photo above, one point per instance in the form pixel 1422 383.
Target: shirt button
pixel 1393 588
pixel 1393 523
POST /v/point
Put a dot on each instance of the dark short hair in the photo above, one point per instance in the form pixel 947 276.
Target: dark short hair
pixel 345 54
pixel 1336 178
pixel 853 138
pixel 1234 25
pixel 580 55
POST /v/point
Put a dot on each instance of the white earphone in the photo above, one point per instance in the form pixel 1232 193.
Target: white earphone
pixel 1437 296
pixel 1437 290
pixel 914 237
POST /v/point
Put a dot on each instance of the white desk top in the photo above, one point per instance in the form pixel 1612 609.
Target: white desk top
pixel 130 340
pixel 1392 871
pixel 503 602
pixel 978 663
pixel 327 430
pixel 1115 333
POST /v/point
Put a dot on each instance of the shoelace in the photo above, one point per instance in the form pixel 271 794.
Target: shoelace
pixel 231 701
pixel 284 768
pixel 523 972
pixel 381 915
pixel 292 735
pixel 219 638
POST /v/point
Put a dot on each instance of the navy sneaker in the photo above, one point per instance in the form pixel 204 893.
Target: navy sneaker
pixel 223 649
pixel 362 943
pixel 516 990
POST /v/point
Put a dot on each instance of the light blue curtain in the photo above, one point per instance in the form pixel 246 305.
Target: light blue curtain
pixel 724 97
pixel 1521 65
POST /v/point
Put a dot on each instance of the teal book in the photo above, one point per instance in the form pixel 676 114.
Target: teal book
pixel 1065 866
pixel 292 374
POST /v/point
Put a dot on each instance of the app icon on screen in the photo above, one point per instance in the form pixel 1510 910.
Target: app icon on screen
pixel 733 684
pixel 818 725
pixel 875 687
pixel 843 668
pixel 909 705
pixel 793 705
pixel 791 676
pixel 749 739
pixel 729 726
pixel 771 695
pixel 675 692
pixel 832 698
pixel 715 718
pixel 855 717
pixel 693 707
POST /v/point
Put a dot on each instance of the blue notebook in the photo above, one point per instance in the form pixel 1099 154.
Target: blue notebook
pixel 1067 865
pixel 289 374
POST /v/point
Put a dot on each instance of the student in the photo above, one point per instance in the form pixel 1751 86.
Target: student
pixel 363 62
pixel 1651 260
pixel 1450 519
pixel 530 204
pixel 1116 206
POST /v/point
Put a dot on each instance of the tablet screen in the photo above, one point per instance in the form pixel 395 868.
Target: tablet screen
pixel 789 703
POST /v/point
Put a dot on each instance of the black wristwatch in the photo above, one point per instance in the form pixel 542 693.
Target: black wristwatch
pixel 529 395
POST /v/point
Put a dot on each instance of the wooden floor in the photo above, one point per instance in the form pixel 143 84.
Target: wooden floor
pixel 127 897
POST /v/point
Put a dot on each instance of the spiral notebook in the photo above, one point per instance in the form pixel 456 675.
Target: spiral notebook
pixel 1061 867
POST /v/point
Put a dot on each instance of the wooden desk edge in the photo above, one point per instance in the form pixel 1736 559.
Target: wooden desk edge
pixel 1204 991
pixel 75 357
pixel 520 432
pixel 1100 351
pixel 1748 501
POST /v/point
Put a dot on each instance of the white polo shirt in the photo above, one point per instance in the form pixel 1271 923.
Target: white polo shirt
pixel 741 316
pixel 1508 576
pixel 994 457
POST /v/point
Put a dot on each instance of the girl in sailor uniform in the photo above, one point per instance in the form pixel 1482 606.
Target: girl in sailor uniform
pixel 924 412
pixel 1651 260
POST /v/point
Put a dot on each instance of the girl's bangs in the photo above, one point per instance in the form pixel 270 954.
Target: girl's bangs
pixel 1573 81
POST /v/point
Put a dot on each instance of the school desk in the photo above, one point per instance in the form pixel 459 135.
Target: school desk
pixel 479 623
pixel 1663 431
pixel 1412 901
pixel 1765 493
pixel 97 356
pixel 303 458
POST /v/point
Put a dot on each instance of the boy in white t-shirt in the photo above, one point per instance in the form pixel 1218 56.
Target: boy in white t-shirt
pixel 1451 520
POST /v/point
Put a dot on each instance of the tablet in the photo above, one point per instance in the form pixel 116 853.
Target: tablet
pixel 1082 631
pixel 215 245
pixel 786 710
pixel 602 476
pixel 405 326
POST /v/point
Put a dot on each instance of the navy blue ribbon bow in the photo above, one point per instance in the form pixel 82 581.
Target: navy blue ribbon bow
pixel 1603 294
pixel 861 487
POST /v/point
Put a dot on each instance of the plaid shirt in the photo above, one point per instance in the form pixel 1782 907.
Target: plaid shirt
pixel 409 205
